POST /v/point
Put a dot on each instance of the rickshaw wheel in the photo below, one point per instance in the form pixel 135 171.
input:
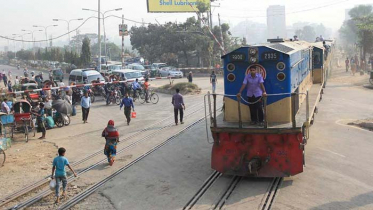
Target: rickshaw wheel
pixel 2 157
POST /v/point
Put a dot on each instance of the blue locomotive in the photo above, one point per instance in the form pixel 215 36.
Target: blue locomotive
pixel 294 73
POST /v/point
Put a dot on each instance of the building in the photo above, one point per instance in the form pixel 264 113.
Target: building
pixel 276 22
pixel 347 16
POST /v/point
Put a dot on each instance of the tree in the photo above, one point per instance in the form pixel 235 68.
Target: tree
pixel 359 30
pixel 85 56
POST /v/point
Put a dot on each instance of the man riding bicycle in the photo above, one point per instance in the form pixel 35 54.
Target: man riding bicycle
pixel 135 86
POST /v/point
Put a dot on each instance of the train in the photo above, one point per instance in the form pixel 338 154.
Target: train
pixel 295 74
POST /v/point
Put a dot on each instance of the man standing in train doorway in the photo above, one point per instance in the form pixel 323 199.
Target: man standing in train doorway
pixel 253 83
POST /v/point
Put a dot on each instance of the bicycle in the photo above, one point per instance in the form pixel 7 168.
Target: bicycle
pixel 152 97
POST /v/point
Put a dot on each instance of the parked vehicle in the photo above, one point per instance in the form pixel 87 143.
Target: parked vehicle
pixel 129 75
pixel 84 76
pixel 57 75
pixel 136 66
pixel 109 68
pixel 170 71
pixel 114 97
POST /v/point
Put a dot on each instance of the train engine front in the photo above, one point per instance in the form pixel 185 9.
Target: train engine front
pixel 277 148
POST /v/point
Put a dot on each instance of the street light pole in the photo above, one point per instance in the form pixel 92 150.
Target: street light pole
pixel 103 21
pixel 99 36
pixel 68 25
pixel 46 32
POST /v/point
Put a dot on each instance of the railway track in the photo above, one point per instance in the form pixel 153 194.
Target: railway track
pixel 40 183
pixel 9 198
pixel 81 196
pixel 226 188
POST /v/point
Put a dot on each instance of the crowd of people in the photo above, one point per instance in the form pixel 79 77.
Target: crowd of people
pixel 356 65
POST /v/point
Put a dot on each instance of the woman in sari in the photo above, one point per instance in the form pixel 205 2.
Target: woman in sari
pixel 111 135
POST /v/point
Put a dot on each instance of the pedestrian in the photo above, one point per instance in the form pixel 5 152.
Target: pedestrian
pixel 59 164
pixel 213 81
pixel 179 106
pixel 16 81
pixel 347 62
pixel 40 120
pixel 86 104
pixel 5 79
pixel 4 106
pixel 190 77
pixel 353 67
pixel 253 83
pixel 146 89
pixel 111 135
pixel 10 75
pixel 127 102
pixel 10 86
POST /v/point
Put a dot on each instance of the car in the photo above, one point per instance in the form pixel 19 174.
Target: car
pixel 159 65
pixel 81 76
pixel 135 66
pixel 57 75
pixel 109 68
pixel 171 71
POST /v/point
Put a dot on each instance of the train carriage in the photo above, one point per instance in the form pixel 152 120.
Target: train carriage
pixel 277 148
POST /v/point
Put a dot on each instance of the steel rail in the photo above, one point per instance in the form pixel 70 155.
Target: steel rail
pixel 272 192
pixel 227 193
pixel 201 191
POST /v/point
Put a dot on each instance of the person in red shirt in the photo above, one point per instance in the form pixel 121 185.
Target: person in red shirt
pixel 146 88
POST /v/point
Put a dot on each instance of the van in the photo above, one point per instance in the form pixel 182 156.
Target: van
pixel 79 76
pixel 129 75
pixel 108 68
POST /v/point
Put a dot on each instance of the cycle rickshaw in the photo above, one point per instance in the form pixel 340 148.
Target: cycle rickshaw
pixel 23 121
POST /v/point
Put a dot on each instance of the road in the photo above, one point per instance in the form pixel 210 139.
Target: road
pixel 338 172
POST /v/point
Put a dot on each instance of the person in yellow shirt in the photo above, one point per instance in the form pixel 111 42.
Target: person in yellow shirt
pixel 146 89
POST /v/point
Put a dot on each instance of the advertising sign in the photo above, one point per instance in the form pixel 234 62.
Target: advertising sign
pixel 174 5
pixel 123 30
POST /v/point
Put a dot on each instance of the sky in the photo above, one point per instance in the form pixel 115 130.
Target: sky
pixel 18 15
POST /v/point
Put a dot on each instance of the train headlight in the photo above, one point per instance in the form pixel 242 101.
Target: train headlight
pixel 253 60
pixel 231 67
pixel 281 76
pixel 281 66
pixel 252 51
pixel 231 77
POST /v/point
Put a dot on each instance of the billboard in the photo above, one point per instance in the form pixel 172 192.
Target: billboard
pixel 174 5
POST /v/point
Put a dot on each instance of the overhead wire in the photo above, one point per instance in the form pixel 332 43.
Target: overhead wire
pixel 81 25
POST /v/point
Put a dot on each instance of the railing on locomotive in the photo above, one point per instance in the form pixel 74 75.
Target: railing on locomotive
pixel 293 101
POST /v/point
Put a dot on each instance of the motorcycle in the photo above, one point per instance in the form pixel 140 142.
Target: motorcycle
pixel 76 95
pixel 61 119
pixel 114 97
pixel 99 91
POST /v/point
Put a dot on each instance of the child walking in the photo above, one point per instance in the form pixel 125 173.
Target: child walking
pixel 59 164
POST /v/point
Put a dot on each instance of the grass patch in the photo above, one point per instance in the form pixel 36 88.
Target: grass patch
pixel 184 87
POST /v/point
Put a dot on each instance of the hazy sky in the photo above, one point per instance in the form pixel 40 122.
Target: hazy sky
pixel 23 14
